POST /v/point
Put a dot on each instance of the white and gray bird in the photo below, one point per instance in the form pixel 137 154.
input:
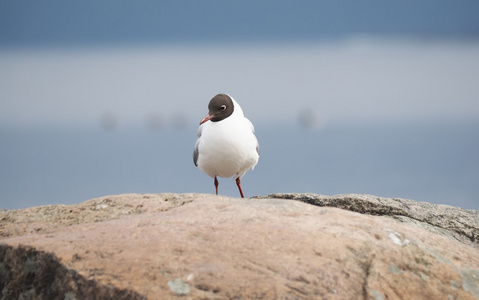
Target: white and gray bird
pixel 226 144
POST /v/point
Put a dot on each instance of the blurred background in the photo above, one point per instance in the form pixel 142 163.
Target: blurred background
pixel 105 97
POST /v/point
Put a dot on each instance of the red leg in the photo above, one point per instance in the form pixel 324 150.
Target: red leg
pixel 216 185
pixel 238 183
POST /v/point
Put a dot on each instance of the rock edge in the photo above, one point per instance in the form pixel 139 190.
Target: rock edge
pixel 453 222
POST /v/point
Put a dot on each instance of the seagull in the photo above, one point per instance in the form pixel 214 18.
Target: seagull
pixel 226 144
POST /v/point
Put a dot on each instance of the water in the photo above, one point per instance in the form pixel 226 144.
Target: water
pixel 433 162
pixel 395 118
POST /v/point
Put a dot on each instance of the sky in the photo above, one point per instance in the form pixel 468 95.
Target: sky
pixel 123 61
pixel 90 22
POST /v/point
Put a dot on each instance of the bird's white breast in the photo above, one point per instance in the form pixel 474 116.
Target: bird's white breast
pixel 227 147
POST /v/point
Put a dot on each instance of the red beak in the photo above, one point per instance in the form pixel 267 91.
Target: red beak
pixel 207 118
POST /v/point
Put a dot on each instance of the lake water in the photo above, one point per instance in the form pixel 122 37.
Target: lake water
pixel 431 162
pixel 393 118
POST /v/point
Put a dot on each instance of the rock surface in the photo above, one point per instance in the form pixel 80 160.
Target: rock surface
pixel 191 246
pixel 453 222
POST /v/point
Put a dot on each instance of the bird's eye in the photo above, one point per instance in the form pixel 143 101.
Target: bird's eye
pixel 223 107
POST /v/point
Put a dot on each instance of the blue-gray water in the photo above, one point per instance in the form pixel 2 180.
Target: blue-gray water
pixel 438 163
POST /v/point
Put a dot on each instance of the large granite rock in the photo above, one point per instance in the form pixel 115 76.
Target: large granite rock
pixel 453 222
pixel 190 246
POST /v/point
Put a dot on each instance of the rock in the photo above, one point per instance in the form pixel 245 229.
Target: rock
pixel 453 222
pixel 26 273
pixel 49 218
pixel 172 246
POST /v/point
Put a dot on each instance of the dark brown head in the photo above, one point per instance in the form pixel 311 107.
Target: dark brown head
pixel 220 107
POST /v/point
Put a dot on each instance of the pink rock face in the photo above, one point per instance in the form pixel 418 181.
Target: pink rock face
pixel 169 246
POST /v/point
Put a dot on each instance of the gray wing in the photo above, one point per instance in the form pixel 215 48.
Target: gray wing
pixel 196 152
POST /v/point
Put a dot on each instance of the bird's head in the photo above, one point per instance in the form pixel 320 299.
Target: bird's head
pixel 220 107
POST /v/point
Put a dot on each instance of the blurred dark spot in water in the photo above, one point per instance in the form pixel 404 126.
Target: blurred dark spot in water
pixel 311 119
pixel 109 121
pixel 179 120
pixel 154 121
